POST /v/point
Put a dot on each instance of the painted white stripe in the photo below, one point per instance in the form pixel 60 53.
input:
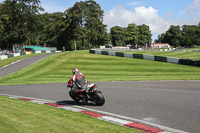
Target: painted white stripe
pixel 97 52
pixel 128 55
pixel 172 60
pixel 39 101
pixel 148 57
pixel 16 54
pixel 38 52
pixel 48 51
pixel 72 109
pixel 112 53
pixel 114 120
pixel 2 57
pixel 27 53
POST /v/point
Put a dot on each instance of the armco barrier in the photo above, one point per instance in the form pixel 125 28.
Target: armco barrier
pixel 112 53
pixel 138 56
pixel 150 57
pixel 119 54
pixel 128 55
pixel 172 60
pixel 92 51
pixel 160 58
pixel 189 62
pixel 104 52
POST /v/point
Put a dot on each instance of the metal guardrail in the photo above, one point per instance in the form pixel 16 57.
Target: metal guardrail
pixel 149 57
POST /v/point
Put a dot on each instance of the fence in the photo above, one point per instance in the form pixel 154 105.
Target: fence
pixel 149 57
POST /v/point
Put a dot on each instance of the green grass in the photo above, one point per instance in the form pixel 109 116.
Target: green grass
pixel 188 49
pixel 18 116
pixel 181 55
pixel 13 59
pixel 57 68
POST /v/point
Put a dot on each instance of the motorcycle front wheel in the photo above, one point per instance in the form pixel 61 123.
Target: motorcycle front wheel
pixel 76 99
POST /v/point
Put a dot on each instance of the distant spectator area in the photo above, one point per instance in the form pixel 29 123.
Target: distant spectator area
pixel 159 45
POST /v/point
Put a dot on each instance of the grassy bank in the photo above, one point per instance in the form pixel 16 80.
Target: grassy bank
pixel 181 55
pixel 23 117
pixel 57 68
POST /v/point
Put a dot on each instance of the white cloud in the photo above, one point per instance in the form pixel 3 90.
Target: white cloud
pixel 119 16
pixel 136 3
pixel 195 6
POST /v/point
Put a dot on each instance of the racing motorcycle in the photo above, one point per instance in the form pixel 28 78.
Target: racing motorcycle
pixel 90 94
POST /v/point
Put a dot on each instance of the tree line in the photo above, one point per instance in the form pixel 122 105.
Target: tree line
pixel 132 35
pixel 185 36
pixel 78 27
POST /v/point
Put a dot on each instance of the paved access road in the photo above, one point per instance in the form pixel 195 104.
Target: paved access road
pixel 22 64
pixel 175 104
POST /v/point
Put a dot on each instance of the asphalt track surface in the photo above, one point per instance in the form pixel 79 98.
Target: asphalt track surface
pixel 22 64
pixel 174 104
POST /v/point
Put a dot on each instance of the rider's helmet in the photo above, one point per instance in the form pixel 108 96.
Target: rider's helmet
pixel 75 70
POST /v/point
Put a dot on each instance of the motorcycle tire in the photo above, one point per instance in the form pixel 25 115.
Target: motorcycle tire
pixel 100 100
pixel 73 97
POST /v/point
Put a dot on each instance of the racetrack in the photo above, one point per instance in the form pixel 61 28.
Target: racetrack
pixel 22 64
pixel 174 104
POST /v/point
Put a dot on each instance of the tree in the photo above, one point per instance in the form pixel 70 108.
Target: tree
pixel 118 36
pixel 96 30
pixel 189 35
pixel 19 20
pixel 53 29
pixel 197 41
pixel 86 22
pixel 132 34
pixel 160 38
pixel 144 35
pixel 173 36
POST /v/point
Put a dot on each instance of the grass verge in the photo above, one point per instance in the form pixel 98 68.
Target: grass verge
pixel 57 68
pixel 18 116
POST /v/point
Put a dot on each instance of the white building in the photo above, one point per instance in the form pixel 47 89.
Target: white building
pixel 159 45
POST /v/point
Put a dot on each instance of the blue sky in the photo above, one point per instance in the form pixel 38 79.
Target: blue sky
pixel 157 14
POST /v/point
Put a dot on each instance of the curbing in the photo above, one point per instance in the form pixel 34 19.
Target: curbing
pixel 138 126
pixel 10 64
pixel 149 57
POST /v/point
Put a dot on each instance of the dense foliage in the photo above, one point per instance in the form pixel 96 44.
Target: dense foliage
pixel 185 36
pixel 79 27
pixel 133 35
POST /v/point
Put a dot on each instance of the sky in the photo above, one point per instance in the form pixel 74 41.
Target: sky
pixel 157 14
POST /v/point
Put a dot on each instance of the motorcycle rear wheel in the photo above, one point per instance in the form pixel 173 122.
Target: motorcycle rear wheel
pixel 100 100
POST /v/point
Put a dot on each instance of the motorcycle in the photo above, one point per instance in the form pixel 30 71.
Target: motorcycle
pixel 90 94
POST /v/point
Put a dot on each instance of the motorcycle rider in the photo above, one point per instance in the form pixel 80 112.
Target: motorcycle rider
pixel 77 81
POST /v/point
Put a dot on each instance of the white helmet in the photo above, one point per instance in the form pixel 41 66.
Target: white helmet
pixel 75 70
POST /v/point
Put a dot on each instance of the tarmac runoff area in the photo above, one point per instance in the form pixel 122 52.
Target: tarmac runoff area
pixel 143 126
